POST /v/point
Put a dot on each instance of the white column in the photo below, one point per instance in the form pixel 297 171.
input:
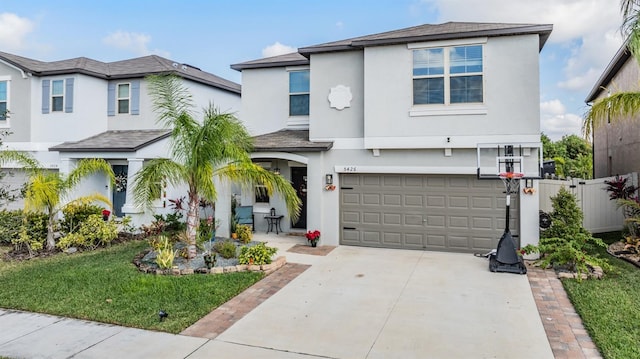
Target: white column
pixel 223 207
pixel 529 217
pixel 134 166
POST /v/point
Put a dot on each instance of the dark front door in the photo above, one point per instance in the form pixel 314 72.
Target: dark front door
pixel 120 189
pixel 299 180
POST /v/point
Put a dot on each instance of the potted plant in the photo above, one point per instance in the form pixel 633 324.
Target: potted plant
pixel 313 237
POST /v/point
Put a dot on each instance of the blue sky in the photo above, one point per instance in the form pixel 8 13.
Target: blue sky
pixel 214 34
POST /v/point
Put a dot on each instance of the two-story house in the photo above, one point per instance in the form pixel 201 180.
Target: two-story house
pixel 616 144
pixel 389 138
pixel 63 111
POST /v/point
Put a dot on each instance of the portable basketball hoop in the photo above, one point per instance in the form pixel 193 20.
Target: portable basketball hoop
pixel 506 258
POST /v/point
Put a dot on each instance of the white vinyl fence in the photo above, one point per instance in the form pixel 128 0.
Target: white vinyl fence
pixel 600 213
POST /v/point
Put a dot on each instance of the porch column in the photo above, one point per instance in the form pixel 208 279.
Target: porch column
pixel 223 207
pixel 529 217
pixel 134 166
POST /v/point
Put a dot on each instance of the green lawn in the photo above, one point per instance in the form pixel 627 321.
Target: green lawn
pixel 610 308
pixel 105 286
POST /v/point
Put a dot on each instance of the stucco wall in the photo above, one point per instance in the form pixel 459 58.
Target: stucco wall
pixel 19 90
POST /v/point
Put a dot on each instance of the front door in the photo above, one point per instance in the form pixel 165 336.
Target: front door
pixel 120 189
pixel 299 180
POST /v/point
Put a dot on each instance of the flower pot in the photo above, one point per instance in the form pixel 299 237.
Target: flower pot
pixel 314 243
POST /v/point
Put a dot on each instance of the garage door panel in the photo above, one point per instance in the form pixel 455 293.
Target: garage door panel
pixel 434 212
pixel 459 202
pixel 392 200
pixel 411 200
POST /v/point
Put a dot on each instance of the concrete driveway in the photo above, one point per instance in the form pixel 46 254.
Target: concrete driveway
pixel 353 303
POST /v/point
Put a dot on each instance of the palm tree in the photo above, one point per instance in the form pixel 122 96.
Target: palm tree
pixel 47 191
pixel 619 106
pixel 219 147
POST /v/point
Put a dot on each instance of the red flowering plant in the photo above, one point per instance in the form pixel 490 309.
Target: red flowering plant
pixel 313 236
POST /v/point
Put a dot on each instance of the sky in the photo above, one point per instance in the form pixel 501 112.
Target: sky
pixel 213 34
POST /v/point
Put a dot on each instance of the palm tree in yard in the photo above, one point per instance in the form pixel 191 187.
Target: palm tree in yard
pixel 47 191
pixel 621 105
pixel 217 147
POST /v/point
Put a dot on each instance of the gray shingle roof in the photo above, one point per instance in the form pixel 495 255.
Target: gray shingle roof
pixel 114 141
pixel 132 68
pixel 288 141
pixel 427 32
pixel 292 59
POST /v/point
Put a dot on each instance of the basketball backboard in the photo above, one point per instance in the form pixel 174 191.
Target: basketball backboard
pixel 497 158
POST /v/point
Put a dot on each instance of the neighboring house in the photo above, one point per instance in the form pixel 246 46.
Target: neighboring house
pixel 64 111
pixel 616 146
pixel 380 134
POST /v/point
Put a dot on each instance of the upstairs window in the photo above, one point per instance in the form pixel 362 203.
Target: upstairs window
pixel 57 95
pixel 299 93
pixel 448 75
pixel 4 100
pixel 123 98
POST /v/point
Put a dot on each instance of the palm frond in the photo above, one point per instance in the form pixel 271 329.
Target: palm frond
pixel 90 199
pixel 171 100
pixel 43 192
pixel 87 167
pixel 149 182
pixel 21 158
pixel 620 106
pixel 249 174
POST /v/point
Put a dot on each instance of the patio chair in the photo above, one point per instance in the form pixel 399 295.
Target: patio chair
pixel 244 215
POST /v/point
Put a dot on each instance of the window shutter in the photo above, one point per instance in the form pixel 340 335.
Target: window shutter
pixel 68 96
pixel 111 99
pixel 45 95
pixel 135 97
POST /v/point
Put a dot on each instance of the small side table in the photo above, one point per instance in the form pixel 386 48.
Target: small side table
pixel 274 222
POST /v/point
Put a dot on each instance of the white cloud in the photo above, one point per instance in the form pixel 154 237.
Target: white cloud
pixel 555 122
pixel 133 42
pixel 277 49
pixel 13 31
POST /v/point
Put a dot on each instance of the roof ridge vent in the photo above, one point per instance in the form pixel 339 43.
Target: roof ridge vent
pixel 175 64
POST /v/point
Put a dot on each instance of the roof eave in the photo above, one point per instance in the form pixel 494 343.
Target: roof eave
pixel 322 148
pixel 241 66
pixel 619 59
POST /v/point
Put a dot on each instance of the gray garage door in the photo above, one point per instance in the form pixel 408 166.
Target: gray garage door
pixel 430 212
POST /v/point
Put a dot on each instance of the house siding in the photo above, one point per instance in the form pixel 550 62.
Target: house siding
pixel 19 99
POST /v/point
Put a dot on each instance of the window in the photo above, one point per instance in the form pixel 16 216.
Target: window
pixel 299 93
pixel 447 75
pixel 57 95
pixel 261 194
pixel 4 100
pixel 123 98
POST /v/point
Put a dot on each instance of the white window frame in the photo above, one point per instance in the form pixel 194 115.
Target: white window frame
pixel 52 95
pixel 5 123
pixel 448 108
pixel 289 71
pixel 118 98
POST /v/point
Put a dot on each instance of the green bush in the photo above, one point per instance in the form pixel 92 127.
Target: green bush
pixel 256 255
pixel 244 233
pixel 227 249
pixel 75 214
pixel 93 232
pixel 10 223
pixel 566 243
pixel 172 221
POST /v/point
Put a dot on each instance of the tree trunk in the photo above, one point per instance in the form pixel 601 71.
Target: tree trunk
pixel 192 224
pixel 51 242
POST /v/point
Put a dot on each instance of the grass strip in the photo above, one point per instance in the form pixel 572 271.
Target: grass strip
pixel 105 286
pixel 610 308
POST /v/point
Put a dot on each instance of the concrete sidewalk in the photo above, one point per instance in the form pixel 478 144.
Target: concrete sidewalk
pixel 353 303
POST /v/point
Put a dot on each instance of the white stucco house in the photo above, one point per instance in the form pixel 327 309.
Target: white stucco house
pixel 63 111
pixel 381 134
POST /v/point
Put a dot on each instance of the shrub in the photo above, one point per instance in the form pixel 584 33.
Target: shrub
pixel 165 253
pixel 10 223
pixel 93 232
pixel 566 242
pixel 244 233
pixel 75 214
pixel 173 221
pixel 256 255
pixel 227 249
